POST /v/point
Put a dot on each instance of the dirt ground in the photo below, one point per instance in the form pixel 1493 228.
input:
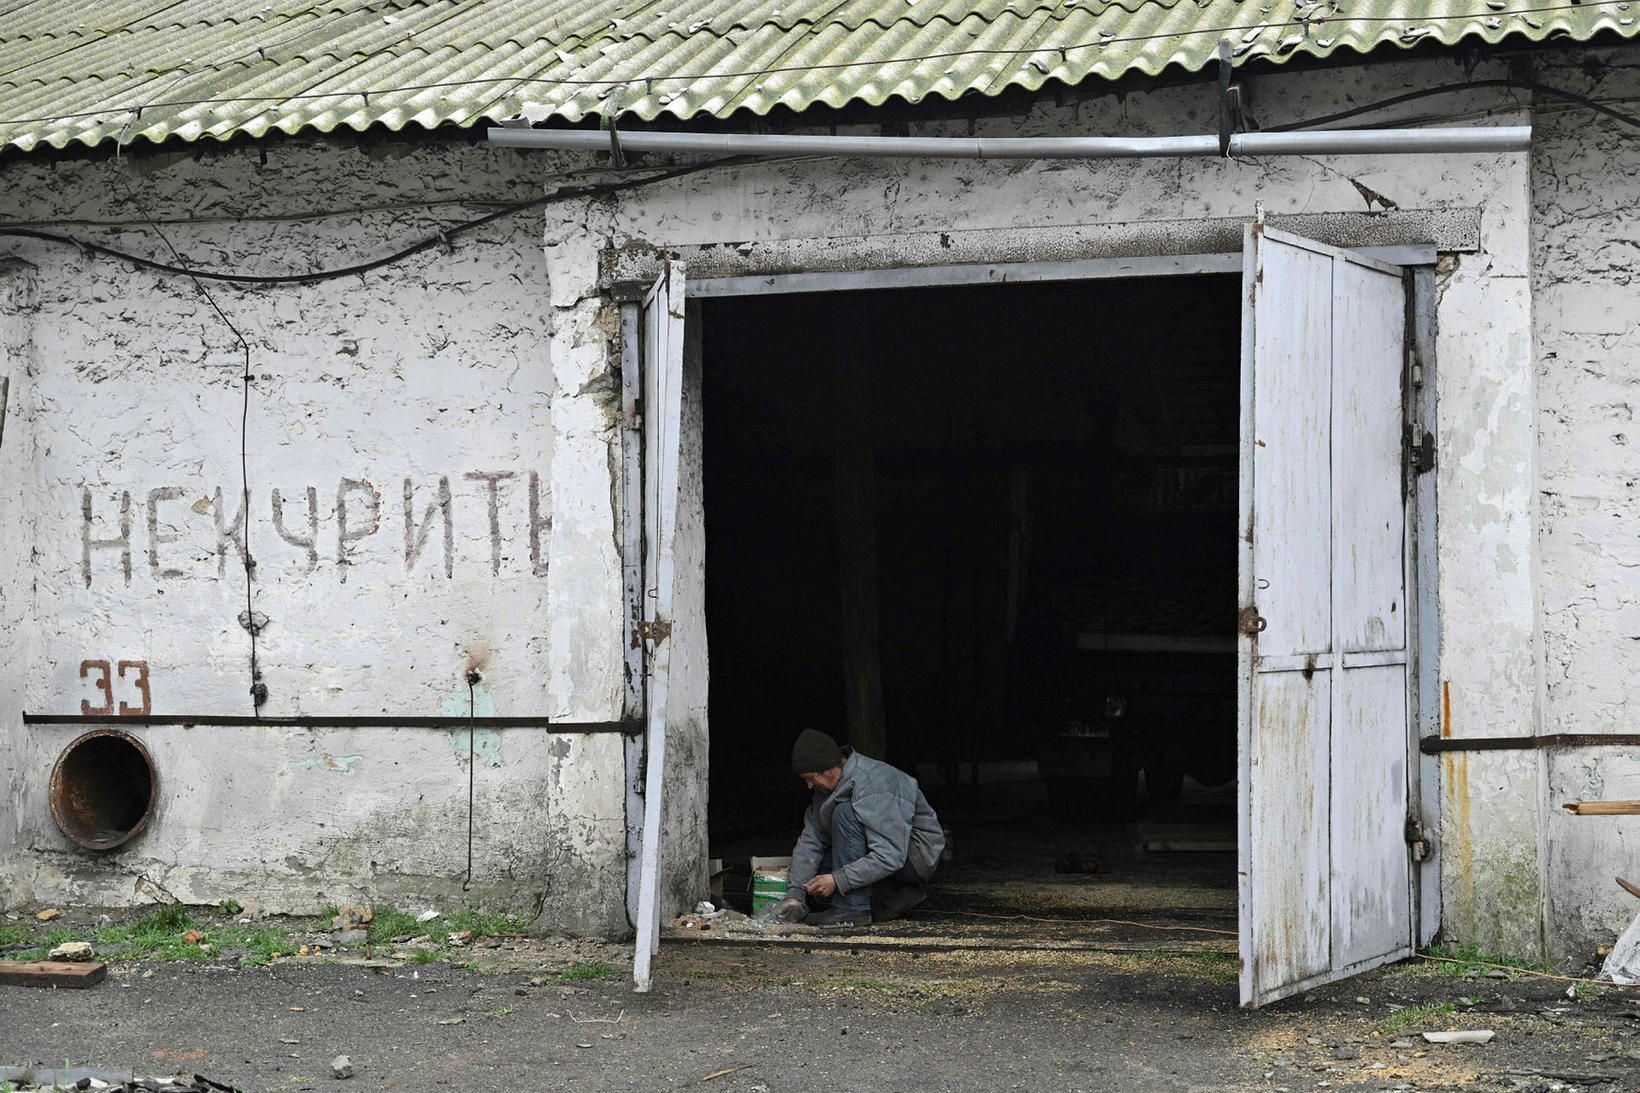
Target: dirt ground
pixel 514 1013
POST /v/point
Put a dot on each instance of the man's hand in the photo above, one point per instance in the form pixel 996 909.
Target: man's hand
pixel 823 885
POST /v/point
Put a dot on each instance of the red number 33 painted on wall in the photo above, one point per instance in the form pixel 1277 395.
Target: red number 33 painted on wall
pixel 102 680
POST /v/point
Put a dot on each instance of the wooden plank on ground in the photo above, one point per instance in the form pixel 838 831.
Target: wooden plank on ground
pixel 52 973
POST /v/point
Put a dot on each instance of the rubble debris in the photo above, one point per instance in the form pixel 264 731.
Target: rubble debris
pixel 52 973
pixel 1468 1036
pixel 48 914
pixel 350 937
pixel 341 1067
pixel 192 937
pixel 1622 964
pixel 350 916
pixel 73 950
pixel 105 1080
pixel 26 1077
pixel 427 915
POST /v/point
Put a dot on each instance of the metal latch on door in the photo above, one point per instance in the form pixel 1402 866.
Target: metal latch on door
pixel 1420 449
pixel 1250 622
pixel 1420 844
pixel 652 630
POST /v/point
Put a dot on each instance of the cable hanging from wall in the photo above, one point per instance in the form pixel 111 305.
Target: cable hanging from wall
pixel 249 619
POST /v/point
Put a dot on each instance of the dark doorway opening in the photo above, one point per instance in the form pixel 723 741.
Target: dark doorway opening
pixel 1047 479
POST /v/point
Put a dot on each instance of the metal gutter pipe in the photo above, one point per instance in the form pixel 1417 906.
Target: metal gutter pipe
pixel 1513 138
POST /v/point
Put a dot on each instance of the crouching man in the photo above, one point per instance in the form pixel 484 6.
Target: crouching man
pixel 869 844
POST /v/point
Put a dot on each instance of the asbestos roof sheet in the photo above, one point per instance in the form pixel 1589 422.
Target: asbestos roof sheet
pixel 93 71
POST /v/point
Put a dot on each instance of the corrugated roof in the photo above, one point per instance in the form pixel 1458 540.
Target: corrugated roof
pixel 90 71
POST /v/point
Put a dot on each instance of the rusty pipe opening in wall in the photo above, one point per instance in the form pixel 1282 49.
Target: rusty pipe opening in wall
pixel 103 789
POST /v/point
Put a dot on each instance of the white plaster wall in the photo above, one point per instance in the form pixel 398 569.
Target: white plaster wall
pixel 17 461
pixel 1586 248
pixel 1486 442
pixel 446 367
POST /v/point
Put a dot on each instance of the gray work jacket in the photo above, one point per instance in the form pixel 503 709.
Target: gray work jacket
pixel 900 827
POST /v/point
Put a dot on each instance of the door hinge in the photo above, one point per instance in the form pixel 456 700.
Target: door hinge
pixel 1420 449
pixel 654 630
pixel 1419 843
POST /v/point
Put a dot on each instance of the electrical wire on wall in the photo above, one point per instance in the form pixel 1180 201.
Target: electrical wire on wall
pixel 250 621
pixel 473 679
pixel 444 237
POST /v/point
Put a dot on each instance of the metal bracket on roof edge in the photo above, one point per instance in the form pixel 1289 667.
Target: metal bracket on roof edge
pixel 612 107
pixel 1227 68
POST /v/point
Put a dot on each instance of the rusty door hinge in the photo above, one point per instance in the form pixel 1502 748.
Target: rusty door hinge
pixel 654 630
pixel 1420 449
pixel 1419 843
pixel 1251 622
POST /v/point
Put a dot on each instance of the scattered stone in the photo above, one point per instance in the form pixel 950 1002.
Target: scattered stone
pixel 48 914
pixel 1313 1041
pixel 73 950
pixel 341 1067
pixel 584 1043
pixel 705 907
pixel 1341 1052
pixel 324 943
pixel 1400 1043
pixel 192 937
pixel 1497 973
pixel 492 943
pixel 1364 1000
pixel 350 937
pixel 427 915
pixel 1468 1036
pixel 105 920
pixel 461 937
pixel 452 1020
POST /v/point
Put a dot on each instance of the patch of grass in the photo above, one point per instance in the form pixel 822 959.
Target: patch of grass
pixel 882 985
pixel 15 935
pixel 172 916
pixel 428 956
pixel 481 923
pixel 1470 959
pixel 1403 1019
pixel 1219 967
pixel 260 942
pixel 388 923
pixel 585 972
pixel 504 1011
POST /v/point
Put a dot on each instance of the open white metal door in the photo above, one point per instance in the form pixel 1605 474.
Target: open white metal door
pixel 662 364
pixel 1324 739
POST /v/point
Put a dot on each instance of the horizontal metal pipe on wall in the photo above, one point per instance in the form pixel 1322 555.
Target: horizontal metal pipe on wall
pixel 371 721
pixel 1512 138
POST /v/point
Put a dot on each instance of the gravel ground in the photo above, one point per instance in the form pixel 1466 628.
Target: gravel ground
pixel 756 1020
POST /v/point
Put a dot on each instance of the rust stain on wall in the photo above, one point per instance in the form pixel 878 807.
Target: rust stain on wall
pixel 1456 781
